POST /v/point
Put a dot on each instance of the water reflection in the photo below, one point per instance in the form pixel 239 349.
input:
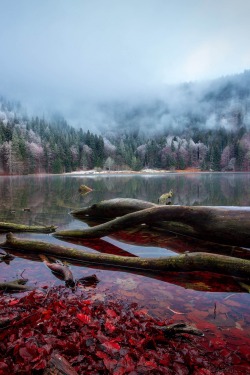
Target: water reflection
pixel 193 296
pixel 51 197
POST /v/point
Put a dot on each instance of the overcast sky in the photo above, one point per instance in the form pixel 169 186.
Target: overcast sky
pixel 102 49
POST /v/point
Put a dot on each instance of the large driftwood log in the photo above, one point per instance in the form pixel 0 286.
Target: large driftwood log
pixel 145 236
pixel 227 225
pixel 13 227
pixel 112 208
pixel 184 263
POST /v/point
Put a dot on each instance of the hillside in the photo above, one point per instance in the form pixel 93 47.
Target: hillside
pixel 195 125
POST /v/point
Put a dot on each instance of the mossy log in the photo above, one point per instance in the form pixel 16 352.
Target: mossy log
pixel 189 280
pixel 15 286
pixel 227 225
pixel 182 263
pixel 13 227
pixel 214 283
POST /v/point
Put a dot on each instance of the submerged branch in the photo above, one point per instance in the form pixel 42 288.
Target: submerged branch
pixel 182 263
pixel 60 269
pixel 15 286
pixel 179 328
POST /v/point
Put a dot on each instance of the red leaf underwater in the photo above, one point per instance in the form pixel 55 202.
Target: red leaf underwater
pixel 111 346
pixel 109 337
pixel 84 318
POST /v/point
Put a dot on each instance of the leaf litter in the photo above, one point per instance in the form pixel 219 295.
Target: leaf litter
pixel 108 337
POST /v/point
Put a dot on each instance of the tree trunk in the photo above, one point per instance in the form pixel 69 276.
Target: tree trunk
pixel 7 227
pixel 184 263
pixel 145 235
pixel 227 225
pixel 112 208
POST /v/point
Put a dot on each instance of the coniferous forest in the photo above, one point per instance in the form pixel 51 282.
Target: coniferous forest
pixel 194 125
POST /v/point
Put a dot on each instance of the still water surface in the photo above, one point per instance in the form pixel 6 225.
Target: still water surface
pixel 219 305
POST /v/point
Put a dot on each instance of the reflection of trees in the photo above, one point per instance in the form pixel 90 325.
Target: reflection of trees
pixel 110 184
pixel 236 187
pixel 42 195
pixel 228 186
pixel 50 198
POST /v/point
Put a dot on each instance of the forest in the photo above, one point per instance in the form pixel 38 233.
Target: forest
pixel 193 125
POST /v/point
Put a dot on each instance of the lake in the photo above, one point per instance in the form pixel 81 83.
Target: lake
pixel 218 305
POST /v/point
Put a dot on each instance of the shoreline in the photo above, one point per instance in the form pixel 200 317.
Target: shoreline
pixel 141 172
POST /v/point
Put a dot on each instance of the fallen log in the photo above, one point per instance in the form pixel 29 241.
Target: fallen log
pixel 112 208
pixel 145 236
pixel 229 225
pixel 189 280
pixel 15 286
pixel 7 227
pixel 185 263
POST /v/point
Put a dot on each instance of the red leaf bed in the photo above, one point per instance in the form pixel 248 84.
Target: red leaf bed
pixel 105 337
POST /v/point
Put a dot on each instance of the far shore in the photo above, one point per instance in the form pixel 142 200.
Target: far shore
pixel 105 172
pixel 143 172
pixel 148 171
